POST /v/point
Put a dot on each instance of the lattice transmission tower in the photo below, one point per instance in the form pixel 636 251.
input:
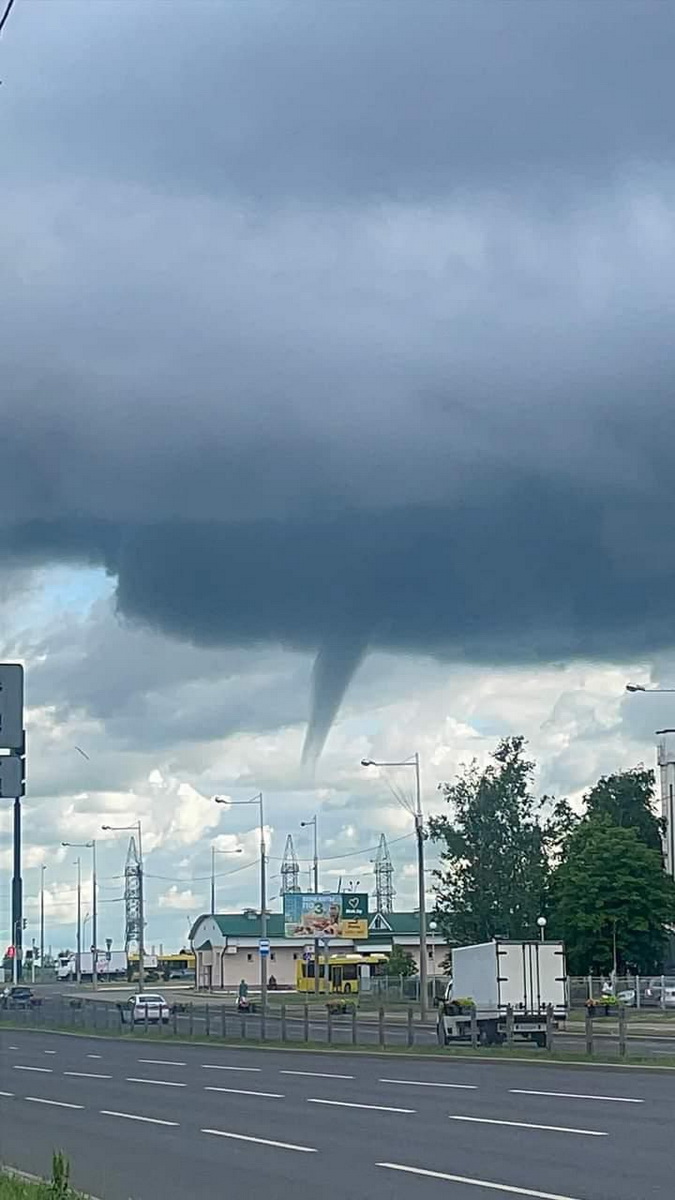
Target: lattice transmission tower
pixel 384 878
pixel 290 869
pixel 132 898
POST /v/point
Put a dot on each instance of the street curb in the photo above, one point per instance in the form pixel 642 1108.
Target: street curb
pixel 363 1051
pixel 27 1177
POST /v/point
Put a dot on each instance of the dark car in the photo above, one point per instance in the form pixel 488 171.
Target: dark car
pixel 19 997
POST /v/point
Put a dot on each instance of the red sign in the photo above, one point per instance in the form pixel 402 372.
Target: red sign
pixel 10 952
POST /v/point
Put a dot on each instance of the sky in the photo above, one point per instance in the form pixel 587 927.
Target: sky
pixel 335 373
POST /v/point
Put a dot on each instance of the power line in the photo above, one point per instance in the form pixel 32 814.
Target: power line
pixel 3 19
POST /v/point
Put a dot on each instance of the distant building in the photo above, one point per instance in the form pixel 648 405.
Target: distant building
pixel 226 946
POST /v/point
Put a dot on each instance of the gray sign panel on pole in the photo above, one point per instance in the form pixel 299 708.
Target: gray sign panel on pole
pixel 11 776
pixel 11 706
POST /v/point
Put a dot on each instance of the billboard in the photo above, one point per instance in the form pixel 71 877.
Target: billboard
pixel 326 915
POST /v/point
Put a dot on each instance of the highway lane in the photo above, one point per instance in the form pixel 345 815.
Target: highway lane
pixel 133 1116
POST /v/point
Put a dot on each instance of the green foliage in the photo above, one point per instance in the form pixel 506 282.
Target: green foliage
pixel 610 882
pixel 58 1188
pixel 494 858
pixel 627 798
pixel 400 963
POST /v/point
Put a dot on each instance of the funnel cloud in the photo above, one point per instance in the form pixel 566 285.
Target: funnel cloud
pixel 346 326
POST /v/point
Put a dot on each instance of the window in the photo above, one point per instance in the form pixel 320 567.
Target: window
pixel 272 956
pixel 295 956
pixel 249 958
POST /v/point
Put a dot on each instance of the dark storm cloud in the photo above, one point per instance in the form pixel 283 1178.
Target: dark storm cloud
pixel 346 325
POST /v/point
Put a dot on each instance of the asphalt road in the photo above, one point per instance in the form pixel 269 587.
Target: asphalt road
pixel 141 1119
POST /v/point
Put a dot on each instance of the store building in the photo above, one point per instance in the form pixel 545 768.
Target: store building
pixel 226 946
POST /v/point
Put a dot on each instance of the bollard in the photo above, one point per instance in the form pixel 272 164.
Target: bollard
pixel 191 1024
pixel 550 1026
pixel 207 1021
pixel 284 1031
pixel 354 1026
pixel 622 1031
pixel 411 1028
pixel 223 1022
pixel 146 1019
pixel 243 1027
pixel 380 1025
pixel 474 1028
pixel 589 1032
pixel 306 1020
pixel 637 992
pixel 663 993
pixel 329 1025
pixel 263 1022
pixel 509 1025
pixel 174 1016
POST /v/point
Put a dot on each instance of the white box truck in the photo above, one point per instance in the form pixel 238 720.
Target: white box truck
pixel 507 983
pixel 109 967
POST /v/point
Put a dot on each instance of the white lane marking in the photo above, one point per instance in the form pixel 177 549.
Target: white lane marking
pixel 55 1103
pixel 86 1075
pixel 243 1137
pixel 317 1074
pixel 9 1094
pixel 575 1096
pixel 94 1056
pixel 108 1112
pixel 42 1070
pixel 12 1047
pixel 161 1062
pixel 217 1067
pixel 50 1051
pixel 157 1082
pixel 469 1087
pixel 526 1125
pixel 243 1092
pixel 481 1183
pixel 348 1104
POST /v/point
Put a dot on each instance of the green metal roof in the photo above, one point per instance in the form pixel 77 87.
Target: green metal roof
pixel 239 924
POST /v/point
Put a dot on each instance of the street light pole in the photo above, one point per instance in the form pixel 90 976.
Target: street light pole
pixel 94 918
pixel 43 868
pixel 263 886
pixel 215 851
pixel 414 761
pixel 78 960
pixel 317 965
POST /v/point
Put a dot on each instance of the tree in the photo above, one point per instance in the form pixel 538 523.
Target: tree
pixel 611 887
pixel 494 864
pixel 627 798
pixel 400 963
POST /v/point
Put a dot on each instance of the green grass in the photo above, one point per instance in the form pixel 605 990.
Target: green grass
pixel 12 1187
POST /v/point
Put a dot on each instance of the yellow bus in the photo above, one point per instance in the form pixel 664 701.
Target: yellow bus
pixel 345 972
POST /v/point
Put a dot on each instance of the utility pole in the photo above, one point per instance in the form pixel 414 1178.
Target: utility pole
pixel 213 881
pixel 94 917
pixel 141 913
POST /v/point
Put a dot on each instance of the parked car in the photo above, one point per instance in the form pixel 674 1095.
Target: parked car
pixel 19 997
pixel 150 1003
pixel 627 997
pixel 656 996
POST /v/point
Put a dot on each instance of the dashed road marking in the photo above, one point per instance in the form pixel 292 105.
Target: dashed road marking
pixel 481 1183
pixel 575 1096
pixel 55 1103
pixel 156 1082
pixel 469 1087
pixel 349 1104
pixel 243 1137
pixel 108 1112
pixel 317 1074
pixel 243 1092
pixel 527 1125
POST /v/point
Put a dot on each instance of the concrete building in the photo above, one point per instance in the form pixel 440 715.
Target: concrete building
pixel 226 946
